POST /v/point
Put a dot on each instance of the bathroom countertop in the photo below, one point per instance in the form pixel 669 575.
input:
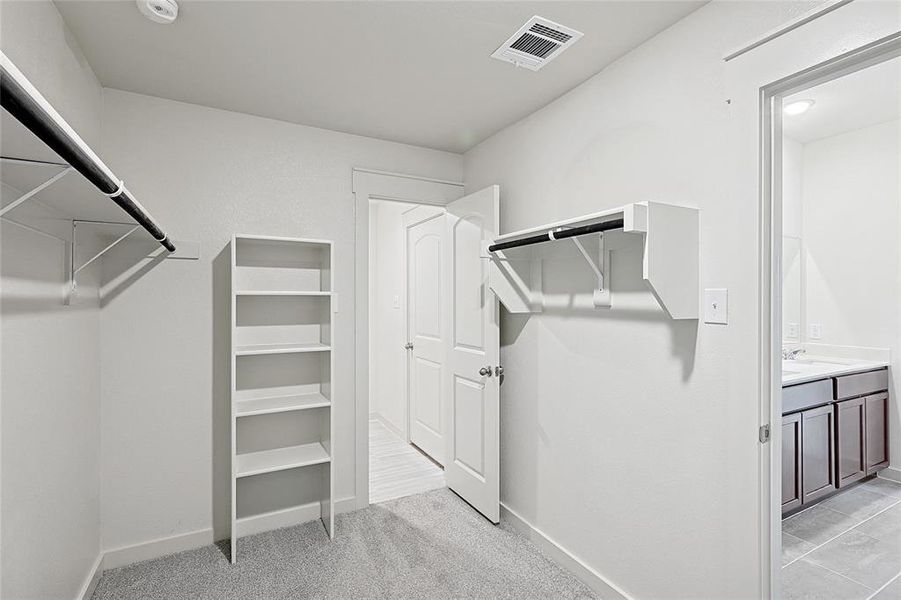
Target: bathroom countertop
pixel 812 368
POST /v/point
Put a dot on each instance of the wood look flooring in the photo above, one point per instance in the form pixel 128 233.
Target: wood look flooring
pixel 397 469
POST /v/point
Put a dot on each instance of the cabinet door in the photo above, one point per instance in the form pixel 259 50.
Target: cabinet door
pixel 791 462
pixel 817 453
pixel 849 441
pixel 876 432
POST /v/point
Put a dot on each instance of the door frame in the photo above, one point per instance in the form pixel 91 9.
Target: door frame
pixel 373 184
pixel 770 256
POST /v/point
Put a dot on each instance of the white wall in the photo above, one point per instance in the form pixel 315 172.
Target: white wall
pixel 627 438
pixel 50 353
pixel 792 187
pixel 852 201
pixel 207 174
pixel 388 366
pixel 852 234
pixel 792 244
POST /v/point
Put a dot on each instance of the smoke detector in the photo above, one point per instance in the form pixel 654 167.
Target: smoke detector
pixel 159 11
pixel 537 43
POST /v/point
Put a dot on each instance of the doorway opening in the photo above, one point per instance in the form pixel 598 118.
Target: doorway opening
pixel 452 333
pixel 405 414
pixel 832 190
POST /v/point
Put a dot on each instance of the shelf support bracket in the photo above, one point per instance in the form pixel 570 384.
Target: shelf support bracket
pixel 601 269
pixel 28 195
pixel 73 270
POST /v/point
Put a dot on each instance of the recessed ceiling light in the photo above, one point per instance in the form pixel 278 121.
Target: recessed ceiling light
pixel 799 107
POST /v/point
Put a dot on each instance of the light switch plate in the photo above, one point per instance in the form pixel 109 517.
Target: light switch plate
pixel 716 306
pixel 792 332
pixel 816 331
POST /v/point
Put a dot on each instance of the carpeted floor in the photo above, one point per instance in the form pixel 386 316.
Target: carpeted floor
pixel 431 545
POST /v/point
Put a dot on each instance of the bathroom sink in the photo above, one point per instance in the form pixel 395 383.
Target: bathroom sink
pixel 821 361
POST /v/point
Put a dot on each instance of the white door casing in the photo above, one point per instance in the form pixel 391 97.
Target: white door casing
pixel 426 302
pixel 471 383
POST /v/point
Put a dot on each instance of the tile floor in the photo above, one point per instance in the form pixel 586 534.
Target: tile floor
pixel 848 546
pixel 397 469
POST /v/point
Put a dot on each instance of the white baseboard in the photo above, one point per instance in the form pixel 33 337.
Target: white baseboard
pixel 890 473
pixel 388 425
pixel 120 557
pixel 564 558
pixel 126 555
pixel 277 519
pixel 90 582
pixel 289 517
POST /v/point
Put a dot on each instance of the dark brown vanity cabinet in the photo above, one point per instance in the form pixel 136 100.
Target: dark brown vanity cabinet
pixel 791 462
pixel 850 433
pixel 835 433
pixel 817 453
pixel 876 432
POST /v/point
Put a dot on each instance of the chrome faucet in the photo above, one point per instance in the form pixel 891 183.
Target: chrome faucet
pixel 792 354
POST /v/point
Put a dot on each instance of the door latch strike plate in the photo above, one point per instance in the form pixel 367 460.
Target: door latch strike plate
pixel 764 433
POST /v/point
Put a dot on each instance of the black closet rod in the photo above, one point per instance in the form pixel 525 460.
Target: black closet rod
pixel 35 113
pixel 558 235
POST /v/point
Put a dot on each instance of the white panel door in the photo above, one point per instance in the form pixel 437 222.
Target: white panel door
pixel 471 383
pixel 426 301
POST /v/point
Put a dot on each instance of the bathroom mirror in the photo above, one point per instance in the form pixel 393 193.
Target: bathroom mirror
pixel 791 288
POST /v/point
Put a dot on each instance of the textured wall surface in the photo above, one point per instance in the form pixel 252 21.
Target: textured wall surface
pixel 208 174
pixel 50 363
pixel 628 438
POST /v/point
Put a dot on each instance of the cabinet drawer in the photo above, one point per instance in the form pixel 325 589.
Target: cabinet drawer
pixel 861 384
pixel 806 395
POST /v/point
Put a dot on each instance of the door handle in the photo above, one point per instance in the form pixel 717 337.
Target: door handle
pixel 485 371
pixel 408 346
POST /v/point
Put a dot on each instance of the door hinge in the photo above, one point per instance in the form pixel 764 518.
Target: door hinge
pixel 764 433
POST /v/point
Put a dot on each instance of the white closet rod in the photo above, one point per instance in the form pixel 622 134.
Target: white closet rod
pixel 22 100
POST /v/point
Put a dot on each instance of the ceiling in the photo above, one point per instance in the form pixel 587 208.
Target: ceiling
pixel 413 72
pixel 861 99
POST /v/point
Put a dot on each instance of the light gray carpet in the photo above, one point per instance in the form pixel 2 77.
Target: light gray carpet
pixel 431 545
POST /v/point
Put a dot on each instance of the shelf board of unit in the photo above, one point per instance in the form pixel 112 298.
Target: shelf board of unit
pixel 280 459
pixel 256 349
pixel 280 293
pixel 274 404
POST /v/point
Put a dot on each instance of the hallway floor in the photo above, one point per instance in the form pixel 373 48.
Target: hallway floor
pixel 430 545
pixel 848 546
pixel 397 469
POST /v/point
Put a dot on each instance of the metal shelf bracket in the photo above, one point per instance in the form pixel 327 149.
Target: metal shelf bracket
pixel 601 297
pixel 31 194
pixel 73 270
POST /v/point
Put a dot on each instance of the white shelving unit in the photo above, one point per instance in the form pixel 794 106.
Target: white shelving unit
pixel 670 258
pixel 282 386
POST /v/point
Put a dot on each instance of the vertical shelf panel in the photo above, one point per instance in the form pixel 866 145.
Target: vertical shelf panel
pixel 282 391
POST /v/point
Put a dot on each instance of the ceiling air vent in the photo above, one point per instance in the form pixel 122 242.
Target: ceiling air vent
pixel 536 43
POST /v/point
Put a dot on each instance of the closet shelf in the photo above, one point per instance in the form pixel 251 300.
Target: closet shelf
pixel 257 349
pixel 29 107
pixel 276 404
pixel 280 459
pixel 281 293
pixel 670 256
